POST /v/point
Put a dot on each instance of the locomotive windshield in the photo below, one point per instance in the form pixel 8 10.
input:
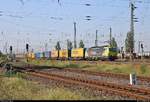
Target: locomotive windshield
pixel 113 49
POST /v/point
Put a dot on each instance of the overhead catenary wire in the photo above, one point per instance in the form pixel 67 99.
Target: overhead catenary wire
pixel 111 20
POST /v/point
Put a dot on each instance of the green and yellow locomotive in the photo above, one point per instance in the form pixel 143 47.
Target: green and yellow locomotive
pixel 101 53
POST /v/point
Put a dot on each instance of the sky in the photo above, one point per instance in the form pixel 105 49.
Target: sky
pixel 38 22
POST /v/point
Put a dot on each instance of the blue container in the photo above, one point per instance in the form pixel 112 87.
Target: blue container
pixel 41 54
pixel 37 55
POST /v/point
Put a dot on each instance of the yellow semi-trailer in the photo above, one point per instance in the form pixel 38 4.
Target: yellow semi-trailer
pixel 78 53
pixel 29 55
pixel 32 56
pixel 63 54
pixel 54 54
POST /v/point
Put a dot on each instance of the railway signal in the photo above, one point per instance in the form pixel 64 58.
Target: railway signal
pixel 27 47
pixel 11 55
pixel 142 47
pixel 10 49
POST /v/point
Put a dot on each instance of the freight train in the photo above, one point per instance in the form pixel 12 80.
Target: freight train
pixel 93 53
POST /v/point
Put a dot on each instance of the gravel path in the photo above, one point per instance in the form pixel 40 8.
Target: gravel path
pixel 116 80
pixel 85 91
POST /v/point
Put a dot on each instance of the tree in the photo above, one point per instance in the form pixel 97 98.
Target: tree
pixel 113 43
pixel 57 47
pixel 81 44
pixel 1 53
pixel 129 43
pixel 69 44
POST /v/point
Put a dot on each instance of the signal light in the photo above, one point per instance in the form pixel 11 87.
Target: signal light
pixel 10 48
pixel 142 46
pixel 27 47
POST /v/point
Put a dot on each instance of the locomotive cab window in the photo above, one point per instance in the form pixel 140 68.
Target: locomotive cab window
pixel 113 49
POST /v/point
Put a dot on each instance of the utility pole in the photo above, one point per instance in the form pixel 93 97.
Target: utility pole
pixel 96 40
pixel 75 45
pixel 46 45
pixel 18 33
pixel 133 19
pixel 5 47
pixel 132 25
pixel 110 36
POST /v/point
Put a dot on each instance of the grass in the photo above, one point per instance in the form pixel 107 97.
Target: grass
pixel 60 64
pixel 15 87
pixel 20 89
pixel 2 58
pixel 142 69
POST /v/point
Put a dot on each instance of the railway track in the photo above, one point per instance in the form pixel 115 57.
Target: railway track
pixel 104 74
pixel 111 88
pixel 115 62
pixel 107 87
pixel 123 79
pixel 112 75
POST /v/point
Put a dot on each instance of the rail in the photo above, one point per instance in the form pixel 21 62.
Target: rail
pixel 121 90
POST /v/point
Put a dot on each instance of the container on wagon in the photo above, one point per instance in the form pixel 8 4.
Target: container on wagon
pixel 37 55
pixel 47 54
pixel 54 54
pixel 29 55
pixel 64 54
pixel 41 55
pixel 32 56
pixel 78 53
